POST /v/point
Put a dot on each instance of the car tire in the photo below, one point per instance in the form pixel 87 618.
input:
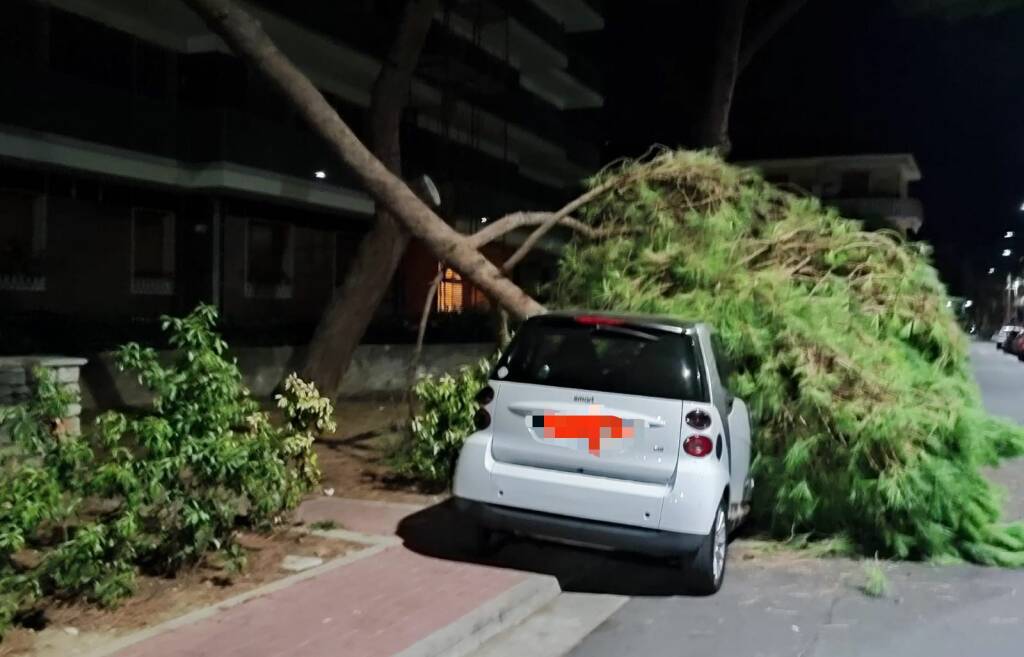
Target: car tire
pixel 706 570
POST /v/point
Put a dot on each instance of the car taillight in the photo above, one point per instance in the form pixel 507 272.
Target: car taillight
pixel 482 419
pixel 698 445
pixel 698 419
pixel 595 320
pixel 485 396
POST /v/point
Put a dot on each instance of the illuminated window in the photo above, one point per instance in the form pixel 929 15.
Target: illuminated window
pixel 478 300
pixel 449 292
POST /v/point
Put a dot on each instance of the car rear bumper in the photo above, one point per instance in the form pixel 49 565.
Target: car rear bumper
pixel 628 538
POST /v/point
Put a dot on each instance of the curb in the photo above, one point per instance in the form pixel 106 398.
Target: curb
pixel 203 613
pixel 497 615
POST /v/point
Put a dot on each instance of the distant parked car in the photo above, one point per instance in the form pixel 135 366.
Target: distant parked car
pixel 1017 346
pixel 611 431
pixel 1010 343
pixel 1000 337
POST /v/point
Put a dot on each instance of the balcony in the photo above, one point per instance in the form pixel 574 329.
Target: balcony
pixel 51 102
pixel 905 214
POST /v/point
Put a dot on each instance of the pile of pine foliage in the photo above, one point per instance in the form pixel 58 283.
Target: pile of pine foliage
pixel 868 423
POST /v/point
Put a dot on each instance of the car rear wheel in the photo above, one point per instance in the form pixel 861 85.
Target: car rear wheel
pixel 706 570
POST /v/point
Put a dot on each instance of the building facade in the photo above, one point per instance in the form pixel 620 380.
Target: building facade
pixel 144 169
pixel 872 188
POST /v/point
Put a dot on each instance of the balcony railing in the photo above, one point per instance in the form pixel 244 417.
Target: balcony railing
pixel 905 213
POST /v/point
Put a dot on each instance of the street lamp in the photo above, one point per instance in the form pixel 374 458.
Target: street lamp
pixel 1009 234
pixel 1007 253
pixel 968 303
pixel 991 270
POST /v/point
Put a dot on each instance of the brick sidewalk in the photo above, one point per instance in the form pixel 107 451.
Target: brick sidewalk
pixel 376 606
pixel 366 516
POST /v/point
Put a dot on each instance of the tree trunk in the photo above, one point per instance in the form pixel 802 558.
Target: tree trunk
pixel 349 313
pixel 246 38
pixel 766 30
pixel 351 310
pixel 715 128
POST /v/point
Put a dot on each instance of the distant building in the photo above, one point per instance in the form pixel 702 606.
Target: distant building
pixel 873 188
pixel 143 168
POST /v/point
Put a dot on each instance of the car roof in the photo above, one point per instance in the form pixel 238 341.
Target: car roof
pixel 632 318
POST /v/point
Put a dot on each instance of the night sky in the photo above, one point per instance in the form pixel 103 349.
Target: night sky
pixel 849 77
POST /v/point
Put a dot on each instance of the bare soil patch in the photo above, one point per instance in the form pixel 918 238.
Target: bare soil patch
pixel 354 460
pixel 68 629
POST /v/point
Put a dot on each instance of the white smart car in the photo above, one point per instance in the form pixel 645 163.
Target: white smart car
pixel 614 431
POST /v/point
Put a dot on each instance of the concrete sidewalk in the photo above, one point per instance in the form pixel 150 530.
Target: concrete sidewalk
pixel 392 601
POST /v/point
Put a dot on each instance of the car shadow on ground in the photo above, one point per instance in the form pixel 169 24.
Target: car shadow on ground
pixel 440 531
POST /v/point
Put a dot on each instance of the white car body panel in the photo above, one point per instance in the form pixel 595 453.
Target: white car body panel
pixel 677 507
pixel 739 453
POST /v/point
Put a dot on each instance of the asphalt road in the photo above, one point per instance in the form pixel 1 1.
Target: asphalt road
pixel 781 604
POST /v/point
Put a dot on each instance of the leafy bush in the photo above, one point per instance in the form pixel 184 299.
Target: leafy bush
pixel 444 421
pixel 155 490
pixel 868 422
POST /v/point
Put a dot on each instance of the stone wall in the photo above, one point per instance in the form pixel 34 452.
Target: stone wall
pixel 16 382
pixel 376 370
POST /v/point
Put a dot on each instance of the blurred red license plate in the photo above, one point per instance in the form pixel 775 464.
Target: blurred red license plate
pixel 593 428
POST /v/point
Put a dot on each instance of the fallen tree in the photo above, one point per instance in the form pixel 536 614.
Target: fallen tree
pixel 868 422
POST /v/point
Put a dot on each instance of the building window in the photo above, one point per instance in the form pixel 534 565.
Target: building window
pixel 22 241
pixel 269 259
pixel 345 247
pixel 89 50
pixel 449 292
pixel 151 70
pixel 390 303
pixel 478 300
pixel 152 251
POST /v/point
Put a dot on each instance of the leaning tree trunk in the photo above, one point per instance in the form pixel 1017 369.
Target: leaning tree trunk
pixel 766 30
pixel 247 39
pixel 715 126
pixel 351 310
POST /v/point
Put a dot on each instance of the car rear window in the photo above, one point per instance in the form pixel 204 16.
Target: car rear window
pixel 627 359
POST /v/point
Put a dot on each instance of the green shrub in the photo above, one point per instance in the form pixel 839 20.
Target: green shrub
pixel 156 490
pixel 444 421
pixel 868 422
